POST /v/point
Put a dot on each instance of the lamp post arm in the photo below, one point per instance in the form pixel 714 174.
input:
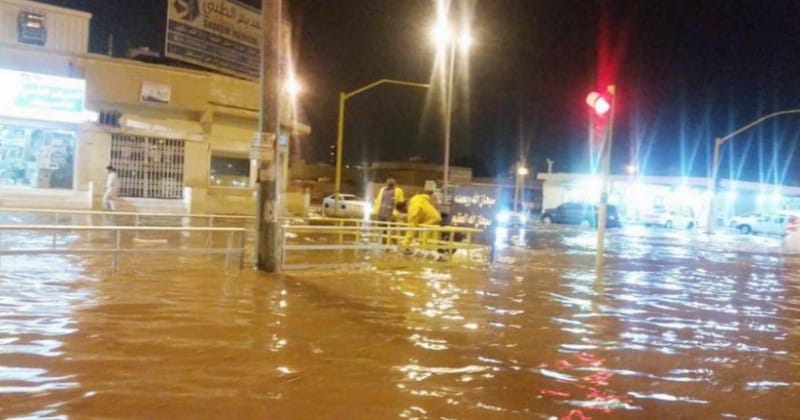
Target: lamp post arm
pixel 718 142
pixel 723 139
pixel 343 97
pixel 385 81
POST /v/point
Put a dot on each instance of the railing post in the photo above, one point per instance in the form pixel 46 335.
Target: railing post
pixel 228 249
pixel 210 236
pixel 117 249
pixel 242 245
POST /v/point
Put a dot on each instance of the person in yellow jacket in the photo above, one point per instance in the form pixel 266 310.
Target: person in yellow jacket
pixel 386 201
pixel 420 212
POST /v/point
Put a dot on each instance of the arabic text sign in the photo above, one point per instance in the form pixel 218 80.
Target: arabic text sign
pixel 41 97
pixel 223 35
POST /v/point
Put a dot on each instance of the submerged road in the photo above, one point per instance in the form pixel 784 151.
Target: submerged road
pixel 679 325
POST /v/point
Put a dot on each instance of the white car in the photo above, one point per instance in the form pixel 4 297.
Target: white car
pixel 350 206
pixel 770 224
pixel 791 242
pixel 670 219
pixel 745 222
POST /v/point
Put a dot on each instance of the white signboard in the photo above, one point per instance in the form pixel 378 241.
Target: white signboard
pixel 156 93
pixel 41 97
pixel 222 35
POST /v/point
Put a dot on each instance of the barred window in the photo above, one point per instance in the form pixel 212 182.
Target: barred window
pixel 148 167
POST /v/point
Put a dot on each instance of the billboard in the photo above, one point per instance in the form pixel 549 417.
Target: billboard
pixel 41 97
pixel 222 35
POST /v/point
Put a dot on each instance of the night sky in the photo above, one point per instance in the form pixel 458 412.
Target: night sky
pixel 686 72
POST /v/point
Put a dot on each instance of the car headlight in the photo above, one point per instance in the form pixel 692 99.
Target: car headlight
pixel 503 217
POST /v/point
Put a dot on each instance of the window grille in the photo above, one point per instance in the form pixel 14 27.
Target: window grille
pixel 148 167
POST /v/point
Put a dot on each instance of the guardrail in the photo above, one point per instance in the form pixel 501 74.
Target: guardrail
pixel 355 242
pixel 55 213
pixel 231 249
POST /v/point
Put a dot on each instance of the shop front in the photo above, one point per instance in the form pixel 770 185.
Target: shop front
pixel 40 126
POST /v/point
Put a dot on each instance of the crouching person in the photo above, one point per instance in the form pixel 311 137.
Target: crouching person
pixel 420 212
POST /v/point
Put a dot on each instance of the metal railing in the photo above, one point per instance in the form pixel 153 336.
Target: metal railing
pixel 349 243
pixel 233 247
pixel 55 213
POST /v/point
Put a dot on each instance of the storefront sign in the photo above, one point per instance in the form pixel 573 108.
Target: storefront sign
pixel 158 93
pixel 41 97
pixel 223 35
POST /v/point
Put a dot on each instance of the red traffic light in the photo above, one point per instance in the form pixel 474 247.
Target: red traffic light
pixel 598 103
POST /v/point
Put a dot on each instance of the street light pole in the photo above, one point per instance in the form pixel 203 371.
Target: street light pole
pixel 715 162
pixel 265 148
pixel 448 124
pixel 343 97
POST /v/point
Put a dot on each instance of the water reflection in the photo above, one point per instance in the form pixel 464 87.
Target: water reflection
pixel 675 328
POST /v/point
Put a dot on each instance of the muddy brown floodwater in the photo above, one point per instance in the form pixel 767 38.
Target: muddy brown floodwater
pixel 679 326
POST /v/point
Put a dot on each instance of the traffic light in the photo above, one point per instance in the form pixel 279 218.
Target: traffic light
pixel 598 103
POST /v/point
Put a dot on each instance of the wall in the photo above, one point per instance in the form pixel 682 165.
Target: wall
pixel 67 30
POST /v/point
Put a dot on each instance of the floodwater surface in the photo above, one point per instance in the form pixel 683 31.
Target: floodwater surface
pixel 679 325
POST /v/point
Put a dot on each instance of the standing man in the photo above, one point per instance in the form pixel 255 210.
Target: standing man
pixel 112 187
pixel 386 200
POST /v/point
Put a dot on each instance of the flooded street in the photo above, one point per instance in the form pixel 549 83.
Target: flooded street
pixel 679 325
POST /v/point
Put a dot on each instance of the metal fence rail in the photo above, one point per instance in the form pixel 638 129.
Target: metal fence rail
pixel 211 219
pixel 348 243
pixel 235 244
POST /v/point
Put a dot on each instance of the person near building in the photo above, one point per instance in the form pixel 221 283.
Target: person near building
pixel 386 201
pixel 420 212
pixel 112 188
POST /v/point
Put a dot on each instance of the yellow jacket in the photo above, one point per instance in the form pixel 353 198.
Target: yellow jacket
pixel 422 212
pixel 399 197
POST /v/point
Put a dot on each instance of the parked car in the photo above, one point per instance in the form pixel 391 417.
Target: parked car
pixel 791 241
pixel 745 222
pixel 679 219
pixel 575 213
pixel 770 224
pixel 350 206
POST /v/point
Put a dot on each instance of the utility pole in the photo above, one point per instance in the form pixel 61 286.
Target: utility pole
pixel 265 148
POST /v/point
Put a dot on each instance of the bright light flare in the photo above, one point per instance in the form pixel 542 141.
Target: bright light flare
pixel 465 41
pixel 293 86
pixel 631 169
pixel 598 103
pixel 522 171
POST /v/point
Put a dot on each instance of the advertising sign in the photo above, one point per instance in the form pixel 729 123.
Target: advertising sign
pixel 222 35
pixel 41 97
pixel 155 93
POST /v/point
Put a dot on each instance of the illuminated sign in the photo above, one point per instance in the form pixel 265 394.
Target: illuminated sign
pixel 41 97
pixel 223 35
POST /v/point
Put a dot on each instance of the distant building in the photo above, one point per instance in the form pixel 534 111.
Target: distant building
pixel 639 195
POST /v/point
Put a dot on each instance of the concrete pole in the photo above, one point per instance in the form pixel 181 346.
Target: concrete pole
pixel 268 239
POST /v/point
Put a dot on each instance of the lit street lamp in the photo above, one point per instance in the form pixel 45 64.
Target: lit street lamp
pixel 520 174
pixel 601 106
pixel 343 97
pixel 447 41
pixel 715 162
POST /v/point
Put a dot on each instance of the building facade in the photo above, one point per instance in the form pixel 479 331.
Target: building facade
pixel 179 138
